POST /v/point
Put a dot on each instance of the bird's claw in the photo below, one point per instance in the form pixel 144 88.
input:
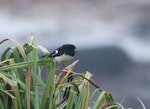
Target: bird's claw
pixel 59 68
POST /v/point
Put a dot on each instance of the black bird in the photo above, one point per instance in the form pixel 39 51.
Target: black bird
pixel 63 54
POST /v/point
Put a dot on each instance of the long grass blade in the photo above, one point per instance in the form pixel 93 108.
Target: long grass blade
pixel 142 104
pixel 17 101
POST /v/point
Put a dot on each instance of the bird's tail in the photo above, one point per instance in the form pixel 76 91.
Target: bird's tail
pixel 46 56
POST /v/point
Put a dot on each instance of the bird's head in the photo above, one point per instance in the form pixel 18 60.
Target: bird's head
pixel 69 49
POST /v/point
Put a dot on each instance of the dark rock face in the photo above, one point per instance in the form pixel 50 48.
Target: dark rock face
pixel 104 60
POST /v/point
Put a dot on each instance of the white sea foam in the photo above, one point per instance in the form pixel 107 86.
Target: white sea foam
pixel 84 32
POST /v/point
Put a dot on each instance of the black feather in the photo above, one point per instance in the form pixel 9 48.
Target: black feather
pixel 68 49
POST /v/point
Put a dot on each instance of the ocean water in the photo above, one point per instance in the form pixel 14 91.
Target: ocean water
pixel 85 32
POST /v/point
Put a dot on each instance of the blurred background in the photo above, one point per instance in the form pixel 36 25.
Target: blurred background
pixel 112 38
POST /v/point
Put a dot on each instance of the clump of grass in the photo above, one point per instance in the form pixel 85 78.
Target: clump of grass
pixel 21 85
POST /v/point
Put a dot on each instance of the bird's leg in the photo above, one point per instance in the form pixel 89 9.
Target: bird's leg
pixel 65 68
pixel 59 68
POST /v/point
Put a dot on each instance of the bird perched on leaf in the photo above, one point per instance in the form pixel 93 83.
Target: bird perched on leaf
pixel 63 54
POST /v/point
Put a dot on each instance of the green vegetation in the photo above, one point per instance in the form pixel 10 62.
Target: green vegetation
pixel 21 85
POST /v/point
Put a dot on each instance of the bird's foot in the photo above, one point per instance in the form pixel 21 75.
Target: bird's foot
pixel 65 68
pixel 59 68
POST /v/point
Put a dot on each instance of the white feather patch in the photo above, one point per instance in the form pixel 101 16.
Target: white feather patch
pixel 56 52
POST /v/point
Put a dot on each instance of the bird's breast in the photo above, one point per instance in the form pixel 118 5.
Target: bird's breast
pixel 63 58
